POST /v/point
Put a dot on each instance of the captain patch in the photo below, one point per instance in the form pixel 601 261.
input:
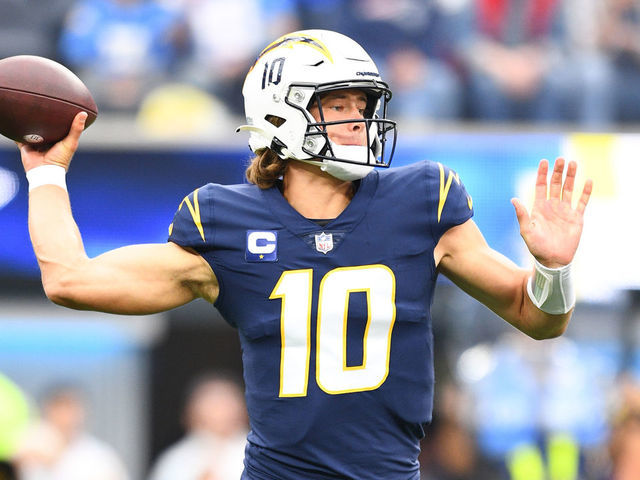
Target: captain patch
pixel 262 246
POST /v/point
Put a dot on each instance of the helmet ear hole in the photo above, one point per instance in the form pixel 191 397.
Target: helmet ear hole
pixel 275 120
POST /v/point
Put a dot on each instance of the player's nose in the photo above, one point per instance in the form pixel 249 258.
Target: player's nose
pixel 356 113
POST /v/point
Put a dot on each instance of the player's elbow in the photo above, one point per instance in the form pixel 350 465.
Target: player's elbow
pixel 55 292
pixel 67 283
pixel 60 292
pixel 551 330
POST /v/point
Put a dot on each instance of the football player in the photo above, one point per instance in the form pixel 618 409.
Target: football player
pixel 325 264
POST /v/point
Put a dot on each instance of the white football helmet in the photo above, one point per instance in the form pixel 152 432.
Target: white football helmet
pixel 289 75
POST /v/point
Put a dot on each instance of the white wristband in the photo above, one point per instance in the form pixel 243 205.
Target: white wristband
pixel 551 289
pixel 47 175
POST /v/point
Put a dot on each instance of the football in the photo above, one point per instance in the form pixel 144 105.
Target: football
pixel 39 99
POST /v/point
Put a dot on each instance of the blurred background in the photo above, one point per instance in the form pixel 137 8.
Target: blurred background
pixel 487 87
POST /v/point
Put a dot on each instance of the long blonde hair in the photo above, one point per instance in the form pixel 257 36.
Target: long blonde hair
pixel 266 168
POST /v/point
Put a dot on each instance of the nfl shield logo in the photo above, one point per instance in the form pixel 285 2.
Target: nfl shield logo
pixel 324 242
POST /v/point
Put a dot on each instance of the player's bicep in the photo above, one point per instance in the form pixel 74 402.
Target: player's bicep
pixel 137 279
pixel 463 256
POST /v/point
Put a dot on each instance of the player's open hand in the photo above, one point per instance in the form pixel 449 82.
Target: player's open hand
pixel 60 153
pixel 552 231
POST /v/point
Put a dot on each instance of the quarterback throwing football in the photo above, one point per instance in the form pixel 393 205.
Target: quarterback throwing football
pixel 325 265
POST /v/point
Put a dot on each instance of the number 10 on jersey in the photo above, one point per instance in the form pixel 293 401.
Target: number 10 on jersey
pixel 294 289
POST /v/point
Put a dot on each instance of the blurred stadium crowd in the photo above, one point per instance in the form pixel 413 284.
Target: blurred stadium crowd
pixel 554 61
pixel 506 408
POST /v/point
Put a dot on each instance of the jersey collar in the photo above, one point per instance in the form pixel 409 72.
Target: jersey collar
pixel 346 221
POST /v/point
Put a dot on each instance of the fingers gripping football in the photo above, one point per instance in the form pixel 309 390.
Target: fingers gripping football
pixel 60 153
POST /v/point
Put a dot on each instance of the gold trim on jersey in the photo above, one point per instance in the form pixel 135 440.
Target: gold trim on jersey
pixel 445 187
pixel 194 210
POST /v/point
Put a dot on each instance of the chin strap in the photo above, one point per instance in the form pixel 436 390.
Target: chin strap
pixel 345 171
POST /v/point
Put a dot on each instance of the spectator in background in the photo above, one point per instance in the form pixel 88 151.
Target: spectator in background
pixel 58 448
pixel 451 453
pixel 624 441
pixel 7 472
pixel 620 39
pixel 449 449
pixel 539 413
pixel 225 37
pixel 512 51
pixel 586 69
pixel 410 41
pixel 31 27
pixel 121 48
pixel 216 424
pixel 314 14
pixel 14 418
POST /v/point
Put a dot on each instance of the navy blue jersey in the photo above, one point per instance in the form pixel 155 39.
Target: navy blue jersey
pixel 334 321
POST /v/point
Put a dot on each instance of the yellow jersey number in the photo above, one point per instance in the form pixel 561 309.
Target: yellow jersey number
pixel 294 289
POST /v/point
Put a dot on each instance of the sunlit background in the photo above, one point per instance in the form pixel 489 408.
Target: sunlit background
pixel 487 87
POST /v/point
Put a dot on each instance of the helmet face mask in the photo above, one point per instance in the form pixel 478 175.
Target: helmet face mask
pixel 379 131
pixel 292 74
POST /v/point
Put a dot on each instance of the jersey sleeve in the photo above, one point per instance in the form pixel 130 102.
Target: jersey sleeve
pixel 453 205
pixel 192 225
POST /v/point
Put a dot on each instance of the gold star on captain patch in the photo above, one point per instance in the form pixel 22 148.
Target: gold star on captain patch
pixel 261 256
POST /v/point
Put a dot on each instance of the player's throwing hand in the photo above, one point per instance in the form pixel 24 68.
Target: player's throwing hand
pixel 60 153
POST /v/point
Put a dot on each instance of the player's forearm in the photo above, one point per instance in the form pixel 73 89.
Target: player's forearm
pixel 537 323
pixel 55 237
pixel 506 295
